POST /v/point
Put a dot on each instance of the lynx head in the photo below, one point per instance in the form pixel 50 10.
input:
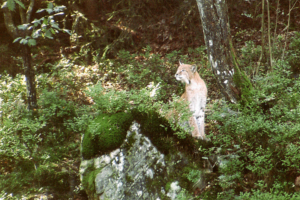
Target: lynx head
pixel 185 73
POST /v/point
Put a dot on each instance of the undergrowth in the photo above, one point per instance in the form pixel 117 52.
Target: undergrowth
pixel 259 143
pixel 39 149
pixel 254 147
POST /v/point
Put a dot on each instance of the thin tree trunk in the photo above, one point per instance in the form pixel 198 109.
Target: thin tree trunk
pixel 30 78
pixel 276 22
pixel 262 35
pixel 215 24
pixel 287 27
pixel 26 53
pixel 269 36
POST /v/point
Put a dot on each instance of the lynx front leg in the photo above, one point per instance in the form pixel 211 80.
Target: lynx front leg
pixel 197 128
pixel 201 116
pixel 201 124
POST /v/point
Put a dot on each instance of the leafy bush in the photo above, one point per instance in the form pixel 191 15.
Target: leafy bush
pixel 136 71
pixel 260 141
pixel 141 105
pixel 32 142
pixel 293 54
pixel 275 193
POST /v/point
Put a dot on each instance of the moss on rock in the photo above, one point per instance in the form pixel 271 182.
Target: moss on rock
pixel 105 133
pixel 88 146
pixel 156 128
pixel 88 182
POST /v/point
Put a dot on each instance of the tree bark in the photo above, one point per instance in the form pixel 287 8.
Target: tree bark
pixel 30 78
pixel 9 23
pixel 214 17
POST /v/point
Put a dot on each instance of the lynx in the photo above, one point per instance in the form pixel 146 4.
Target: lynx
pixel 196 94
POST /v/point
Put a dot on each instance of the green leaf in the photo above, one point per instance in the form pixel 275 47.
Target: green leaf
pixel 48 34
pixel 66 31
pixel 49 10
pixel 17 39
pixel 59 8
pixel 20 3
pixel 40 10
pixel 23 26
pixel 45 21
pixel 50 6
pixel 52 31
pixel 55 25
pixel 37 21
pixel 11 5
pixel 36 33
pixel 60 13
pixel 31 42
pixel 23 41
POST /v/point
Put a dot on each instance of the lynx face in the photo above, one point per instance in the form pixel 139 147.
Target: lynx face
pixel 185 73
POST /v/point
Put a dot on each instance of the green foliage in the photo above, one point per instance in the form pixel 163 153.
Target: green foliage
pixel 194 175
pixel 88 146
pixel 33 142
pixel 11 4
pixel 250 53
pixel 244 85
pixel 139 73
pixel 88 182
pixel 128 105
pixel 105 133
pixel 184 195
pixel 138 70
pixel 276 192
pixel 44 27
pixel 259 141
pixel 293 53
pixel 147 110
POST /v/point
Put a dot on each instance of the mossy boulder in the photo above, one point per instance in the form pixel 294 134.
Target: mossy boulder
pixel 138 170
pixel 105 133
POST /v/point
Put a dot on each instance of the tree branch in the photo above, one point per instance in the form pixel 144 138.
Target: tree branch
pixel 22 15
pixel 29 11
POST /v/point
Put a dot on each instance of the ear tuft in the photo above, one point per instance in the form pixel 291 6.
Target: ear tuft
pixel 180 63
pixel 194 68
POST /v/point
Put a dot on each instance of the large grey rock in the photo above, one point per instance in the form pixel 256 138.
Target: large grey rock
pixel 137 170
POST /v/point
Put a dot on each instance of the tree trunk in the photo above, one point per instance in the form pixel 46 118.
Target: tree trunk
pixel 214 17
pixel 30 78
pixel 26 53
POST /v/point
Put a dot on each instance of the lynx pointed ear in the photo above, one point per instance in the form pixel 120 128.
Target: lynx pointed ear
pixel 180 63
pixel 194 68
